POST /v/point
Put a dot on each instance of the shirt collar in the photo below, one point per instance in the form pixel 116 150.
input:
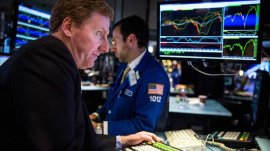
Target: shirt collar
pixel 136 61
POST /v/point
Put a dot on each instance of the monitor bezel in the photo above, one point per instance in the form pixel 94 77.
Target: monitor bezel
pixel 224 60
pixel 14 25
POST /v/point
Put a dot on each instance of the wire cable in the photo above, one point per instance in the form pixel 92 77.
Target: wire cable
pixel 208 74
pixel 263 51
pixel 204 142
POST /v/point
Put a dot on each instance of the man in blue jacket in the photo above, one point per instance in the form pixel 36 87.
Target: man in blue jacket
pixel 136 100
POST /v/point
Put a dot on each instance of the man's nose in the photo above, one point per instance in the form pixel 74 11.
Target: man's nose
pixel 104 47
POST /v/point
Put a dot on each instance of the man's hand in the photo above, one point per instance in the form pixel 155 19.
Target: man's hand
pixel 139 137
pixel 93 119
pixel 94 124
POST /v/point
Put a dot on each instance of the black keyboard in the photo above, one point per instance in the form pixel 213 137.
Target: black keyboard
pixel 233 138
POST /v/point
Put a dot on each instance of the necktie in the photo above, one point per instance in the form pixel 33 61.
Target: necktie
pixel 125 73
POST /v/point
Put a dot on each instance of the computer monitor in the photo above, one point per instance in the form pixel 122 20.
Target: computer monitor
pixel 246 83
pixel 3 58
pixel 30 23
pixel 226 31
pixel 251 69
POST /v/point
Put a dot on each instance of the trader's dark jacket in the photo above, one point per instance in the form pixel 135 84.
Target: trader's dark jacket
pixel 41 106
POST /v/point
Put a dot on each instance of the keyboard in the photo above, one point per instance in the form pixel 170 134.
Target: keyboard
pixel 232 135
pixel 184 140
pixel 233 138
pixel 151 147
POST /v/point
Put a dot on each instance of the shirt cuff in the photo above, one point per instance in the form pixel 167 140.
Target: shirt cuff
pixel 97 115
pixel 118 143
pixel 105 127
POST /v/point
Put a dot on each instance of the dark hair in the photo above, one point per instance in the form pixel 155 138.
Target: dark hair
pixel 134 25
pixel 78 10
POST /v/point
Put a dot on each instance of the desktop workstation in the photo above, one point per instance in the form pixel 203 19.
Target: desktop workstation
pixel 218 43
pixel 213 32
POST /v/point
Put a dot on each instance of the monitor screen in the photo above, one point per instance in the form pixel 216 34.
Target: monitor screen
pixel 251 70
pixel 216 30
pixel 3 58
pixel 244 85
pixel 29 24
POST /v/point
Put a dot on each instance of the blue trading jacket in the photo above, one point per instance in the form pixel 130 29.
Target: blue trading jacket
pixel 136 105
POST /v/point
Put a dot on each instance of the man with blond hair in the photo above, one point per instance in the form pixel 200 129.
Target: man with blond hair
pixel 41 103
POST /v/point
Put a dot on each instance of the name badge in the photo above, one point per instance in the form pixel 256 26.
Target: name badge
pixel 137 75
pixel 128 92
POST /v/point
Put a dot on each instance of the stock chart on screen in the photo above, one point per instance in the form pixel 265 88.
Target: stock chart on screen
pixel 29 24
pixel 209 30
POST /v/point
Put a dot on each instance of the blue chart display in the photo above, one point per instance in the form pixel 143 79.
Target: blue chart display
pixel 240 20
pixel 31 24
pixel 209 30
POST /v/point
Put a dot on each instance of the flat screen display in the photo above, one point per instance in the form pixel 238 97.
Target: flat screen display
pixel 29 24
pixel 217 30
pixel 3 58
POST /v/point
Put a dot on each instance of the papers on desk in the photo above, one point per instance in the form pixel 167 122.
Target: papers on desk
pixel 191 101
pixel 195 101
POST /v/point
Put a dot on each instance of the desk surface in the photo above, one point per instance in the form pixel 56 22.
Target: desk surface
pixel 210 107
pixel 263 143
pixel 94 88
pixel 174 91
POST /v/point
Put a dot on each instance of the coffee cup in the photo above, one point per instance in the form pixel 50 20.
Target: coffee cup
pixel 202 98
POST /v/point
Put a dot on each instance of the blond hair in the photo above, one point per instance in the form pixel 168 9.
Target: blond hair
pixel 78 11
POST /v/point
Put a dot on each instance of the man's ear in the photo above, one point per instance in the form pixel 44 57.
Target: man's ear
pixel 66 26
pixel 132 40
